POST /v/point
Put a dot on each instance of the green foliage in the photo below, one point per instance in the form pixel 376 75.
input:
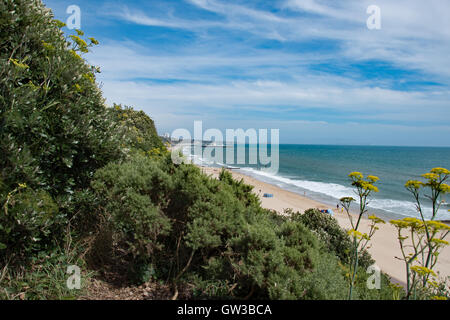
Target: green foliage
pixel 29 221
pixel 326 282
pixel 139 128
pixel 335 239
pixel 55 129
pixel 210 232
pixel 242 191
pixel 44 279
pixel 133 196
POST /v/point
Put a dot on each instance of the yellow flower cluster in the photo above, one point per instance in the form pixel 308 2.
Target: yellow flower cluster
pixel 75 55
pixel 19 65
pixel 439 241
pixel 440 171
pixel 376 220
pixel 59 24
pixel 47 46
pixel 88 76
pixel 368 186
pixel 422 271
pixel 32 85
pixel 81 43
pixel 357 178
pixel 431 176
pixel 78 88
pixel 444 188
pixel 437 226
pixel 94 41
pixel 347 199
pixel 356 175
pixel 358 235
pixel 414 184
pixel 412 223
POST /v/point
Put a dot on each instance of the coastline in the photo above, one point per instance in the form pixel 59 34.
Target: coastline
pixel 384 245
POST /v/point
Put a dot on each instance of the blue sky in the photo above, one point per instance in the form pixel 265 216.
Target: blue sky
pixel 310 68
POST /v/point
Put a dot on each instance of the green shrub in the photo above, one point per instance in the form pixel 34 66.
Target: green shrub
pixel 133 195
pixel 29 222
pixel 55 129
pixel 242 191
pixel 326 281
pixel 335 239
pixel 139 128
pixel 214 233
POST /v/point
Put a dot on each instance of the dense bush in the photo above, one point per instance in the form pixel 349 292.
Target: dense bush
pixel 138 127
pixel 55 130
pixel 29 221
pixel 212 233
pixel 134 195
pixel 338 243
pixel 332 236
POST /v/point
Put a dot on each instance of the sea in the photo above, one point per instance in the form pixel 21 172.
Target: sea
pixel 320 172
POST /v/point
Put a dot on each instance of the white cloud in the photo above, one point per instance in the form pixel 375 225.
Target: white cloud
pixel 415 35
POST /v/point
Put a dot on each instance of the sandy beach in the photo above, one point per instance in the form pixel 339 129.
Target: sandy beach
pixel 384 245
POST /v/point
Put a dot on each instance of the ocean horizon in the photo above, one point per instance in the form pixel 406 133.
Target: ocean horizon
pixel 320 172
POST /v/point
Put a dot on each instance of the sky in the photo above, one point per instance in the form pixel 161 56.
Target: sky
pixel 310 68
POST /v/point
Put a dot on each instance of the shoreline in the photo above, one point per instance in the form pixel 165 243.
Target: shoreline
pixel 384 247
